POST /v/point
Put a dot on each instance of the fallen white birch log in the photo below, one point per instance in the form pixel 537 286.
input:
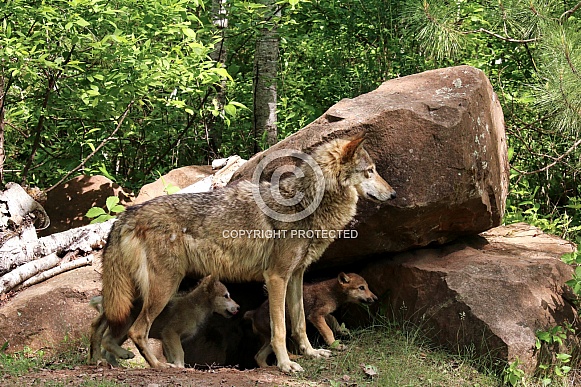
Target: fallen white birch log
pixel 84 239
pixel 219 179
pixel 15 204
pixel 24 272
pixel 84 261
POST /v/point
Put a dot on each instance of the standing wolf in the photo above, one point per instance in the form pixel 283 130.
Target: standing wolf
pixel 154 245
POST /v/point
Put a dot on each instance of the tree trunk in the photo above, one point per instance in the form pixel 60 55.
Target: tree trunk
pixel 220 54
pixel 2 153
pixel 265 77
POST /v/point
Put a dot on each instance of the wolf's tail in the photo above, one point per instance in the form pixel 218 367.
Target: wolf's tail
pixel 125 277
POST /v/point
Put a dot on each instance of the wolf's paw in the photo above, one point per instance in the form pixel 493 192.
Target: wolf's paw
pixel 125 354
pixel 290 367
pixel 337 346
pixel 161 365
pixel 318 353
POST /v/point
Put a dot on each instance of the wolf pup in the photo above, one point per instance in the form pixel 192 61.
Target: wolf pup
pixel 183 317
pixel 152 246
pixel 320 299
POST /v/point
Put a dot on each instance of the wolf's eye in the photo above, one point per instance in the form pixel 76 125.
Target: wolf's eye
pixel 362 287
pixel 370 171
pixel 226 295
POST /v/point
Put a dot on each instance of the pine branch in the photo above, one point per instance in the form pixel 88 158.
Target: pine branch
pixel 498 36
pixel 568 13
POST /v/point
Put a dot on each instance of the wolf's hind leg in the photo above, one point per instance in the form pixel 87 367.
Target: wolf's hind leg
pixel 98 327
pixel 262 354
pixel 161 288
pixel 112 347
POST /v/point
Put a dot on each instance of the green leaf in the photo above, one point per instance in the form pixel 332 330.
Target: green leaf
pixel 111 202
pixel 230 109
pixel 189 33
pixel 82 22
pixel 544 336
pixel 221 71
pixel 117 209
pixel 95 212
pixel 564 357
pixel 102 218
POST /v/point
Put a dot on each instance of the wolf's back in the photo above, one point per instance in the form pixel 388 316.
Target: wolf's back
pixel 122 260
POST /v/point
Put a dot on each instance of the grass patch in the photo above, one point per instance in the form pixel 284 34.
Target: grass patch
pixel 388 355
pixel 19 363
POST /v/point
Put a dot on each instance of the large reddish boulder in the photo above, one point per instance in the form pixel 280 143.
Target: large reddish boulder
pixel 490 293
pixel 48 315
pixel 174 180
pixel 438 138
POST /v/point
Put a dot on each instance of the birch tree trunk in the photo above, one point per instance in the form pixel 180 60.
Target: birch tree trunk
pixel 265 78
pixel 2 152
pixel 220 54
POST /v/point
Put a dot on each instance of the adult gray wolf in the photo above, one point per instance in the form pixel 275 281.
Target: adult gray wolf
pixel 183 317
pixel 320 300
pixel 154 245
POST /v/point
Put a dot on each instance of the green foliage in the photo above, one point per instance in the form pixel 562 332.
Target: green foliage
pixel 72 67
pixel 19 363
pixel 556 335
pixel 512 374
pixel 99 215
pixel 168 188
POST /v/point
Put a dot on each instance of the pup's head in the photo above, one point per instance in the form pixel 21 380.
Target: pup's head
pixel 222 303
pixel 355 288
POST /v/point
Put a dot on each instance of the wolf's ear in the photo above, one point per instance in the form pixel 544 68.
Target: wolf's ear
pixel 207 281
pixel 351 147
pixel 343 278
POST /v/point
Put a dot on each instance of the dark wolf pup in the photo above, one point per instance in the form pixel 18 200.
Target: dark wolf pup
pixel 320 299
pixel 154 245
pixel 182 318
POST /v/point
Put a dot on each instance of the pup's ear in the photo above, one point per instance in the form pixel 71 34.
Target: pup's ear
pixel 343 278
pixel 207 281
pixel 352 147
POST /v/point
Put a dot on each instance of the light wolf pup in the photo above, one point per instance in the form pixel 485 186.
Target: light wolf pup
pixel 182 318
pixel 320 299
pixel 154 245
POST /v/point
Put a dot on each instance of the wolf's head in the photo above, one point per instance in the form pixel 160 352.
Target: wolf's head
pixel 348 163
pixel 355 288
pixel 222 303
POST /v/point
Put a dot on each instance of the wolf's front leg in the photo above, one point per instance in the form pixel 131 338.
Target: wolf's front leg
pixel 297 317
pixel 276 286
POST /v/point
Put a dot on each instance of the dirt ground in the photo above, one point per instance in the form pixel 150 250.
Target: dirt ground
pixel 223 377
